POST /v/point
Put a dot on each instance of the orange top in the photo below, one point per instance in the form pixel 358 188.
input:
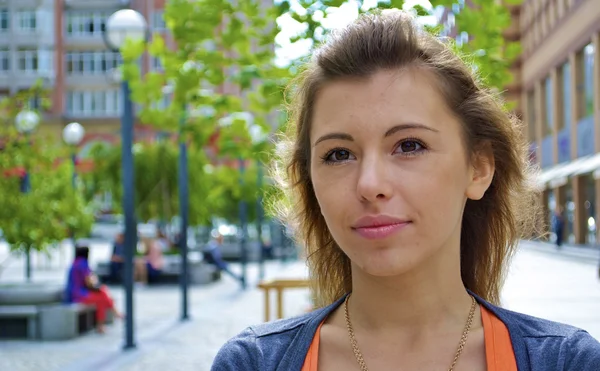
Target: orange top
pixel 499 352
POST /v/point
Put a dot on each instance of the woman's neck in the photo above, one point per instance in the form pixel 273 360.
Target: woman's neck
pixel 432 294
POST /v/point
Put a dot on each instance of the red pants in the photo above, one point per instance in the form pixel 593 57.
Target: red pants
pixel 101 300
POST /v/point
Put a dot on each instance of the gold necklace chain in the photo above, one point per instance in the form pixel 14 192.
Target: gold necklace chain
pixel 361 360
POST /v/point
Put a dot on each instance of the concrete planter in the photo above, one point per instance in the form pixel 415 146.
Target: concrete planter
pixel 31 294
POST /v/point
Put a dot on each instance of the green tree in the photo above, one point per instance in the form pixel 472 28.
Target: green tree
pixel 50 211
pixel 218 43
pixel 215 193
pixel 484 20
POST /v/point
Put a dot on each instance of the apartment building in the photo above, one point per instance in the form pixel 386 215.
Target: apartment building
pixel 560 79
pixel 61 42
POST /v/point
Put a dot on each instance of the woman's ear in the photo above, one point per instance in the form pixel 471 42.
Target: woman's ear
pixel 483 167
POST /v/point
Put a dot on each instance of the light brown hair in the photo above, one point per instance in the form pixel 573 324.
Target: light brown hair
pixel 491 227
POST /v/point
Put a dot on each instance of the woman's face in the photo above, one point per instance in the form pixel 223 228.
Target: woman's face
pixel 390 169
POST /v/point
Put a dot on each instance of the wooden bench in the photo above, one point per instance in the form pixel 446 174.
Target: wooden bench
pixel 279 285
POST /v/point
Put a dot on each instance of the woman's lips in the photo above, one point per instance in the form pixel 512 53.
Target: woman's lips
pixel 380 231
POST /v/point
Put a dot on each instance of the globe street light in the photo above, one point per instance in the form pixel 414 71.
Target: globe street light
pixel 26 121
pixel 73 134
pixel 123 25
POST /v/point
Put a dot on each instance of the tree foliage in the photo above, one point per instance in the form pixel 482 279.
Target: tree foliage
pixel 51 211
pixel 214 191
pixel 485 21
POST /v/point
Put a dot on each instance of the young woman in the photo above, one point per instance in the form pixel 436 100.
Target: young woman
pixel 83 287
pixel 410 189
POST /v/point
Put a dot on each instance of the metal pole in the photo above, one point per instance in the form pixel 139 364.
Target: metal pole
pixel 243 217
pixel 129 211
pixel 25 188
pixel 259 221
pixel 74 159
pixel 74 181
pixel 184 213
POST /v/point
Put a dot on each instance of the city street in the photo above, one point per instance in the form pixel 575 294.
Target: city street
pixel 542 282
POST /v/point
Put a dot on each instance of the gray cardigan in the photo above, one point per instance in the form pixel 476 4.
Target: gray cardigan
pixel 539 345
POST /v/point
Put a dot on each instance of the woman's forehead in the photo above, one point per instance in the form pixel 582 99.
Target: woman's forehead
pixel 386 98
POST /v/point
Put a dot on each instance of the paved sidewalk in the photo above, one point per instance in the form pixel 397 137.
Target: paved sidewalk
pixel 218 311
pixel 589 253
pixel 540 283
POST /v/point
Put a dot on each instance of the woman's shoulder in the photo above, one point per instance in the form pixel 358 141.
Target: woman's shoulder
pixel 550 343
pixel 265 346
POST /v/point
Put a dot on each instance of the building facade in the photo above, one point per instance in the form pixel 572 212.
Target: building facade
pixel 560 81
pixel 60 42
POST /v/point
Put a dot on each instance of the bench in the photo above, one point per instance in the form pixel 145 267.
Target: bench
pixel 18 322
pixel 279 286
pixel 37 311
pixel 199 272
pixel 65 321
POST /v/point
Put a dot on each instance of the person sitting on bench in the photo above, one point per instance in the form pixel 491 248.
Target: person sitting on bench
pixel 83 287
pixel 149 266
pixel 212 255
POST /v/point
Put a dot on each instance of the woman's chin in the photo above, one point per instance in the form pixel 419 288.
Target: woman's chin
pixel 386 267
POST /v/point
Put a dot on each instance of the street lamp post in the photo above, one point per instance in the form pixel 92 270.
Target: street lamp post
pixel 257 136
pixel 184 213
pixel 26 121
pixel 120 26
pixel 259 220
pixel 73 135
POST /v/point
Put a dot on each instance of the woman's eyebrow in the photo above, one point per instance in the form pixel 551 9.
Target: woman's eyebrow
pixel 389 132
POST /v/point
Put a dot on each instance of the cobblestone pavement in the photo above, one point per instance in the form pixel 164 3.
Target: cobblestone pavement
pixel 539 283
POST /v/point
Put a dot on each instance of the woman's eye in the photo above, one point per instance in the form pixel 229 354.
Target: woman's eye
pixel 338 155
pixel 409 146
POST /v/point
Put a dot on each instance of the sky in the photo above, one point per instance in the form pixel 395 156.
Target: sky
pixel 336 18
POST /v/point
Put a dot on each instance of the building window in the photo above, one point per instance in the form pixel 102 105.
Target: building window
pixel 158 21
pixel 548 106
pixel 588 80
pixel 26 21
pixel 566 98
pixel 91 63
pixel 96 103
pixel 155 64
pixel 27 61
pixel 85 23
pixel 4 20
pixel 4 61
pixel 35 61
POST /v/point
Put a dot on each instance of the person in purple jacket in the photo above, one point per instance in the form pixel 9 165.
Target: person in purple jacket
pixel 83 287
pixel 409 187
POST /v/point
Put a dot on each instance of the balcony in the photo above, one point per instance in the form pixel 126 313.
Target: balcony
pixel 97 4
pixel 33 38
pixel 88 80
pixel 21 80
pixel 85 41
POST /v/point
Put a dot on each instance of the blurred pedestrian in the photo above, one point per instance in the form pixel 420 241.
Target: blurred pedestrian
pixel 83 287
pixel 213 255
pixel 117 259
pixel 558 225
pixel 163 242
pixel 149 266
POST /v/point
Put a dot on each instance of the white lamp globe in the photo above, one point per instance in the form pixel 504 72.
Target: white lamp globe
pixel 122 25
pixel 73 133
pixel 27 121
